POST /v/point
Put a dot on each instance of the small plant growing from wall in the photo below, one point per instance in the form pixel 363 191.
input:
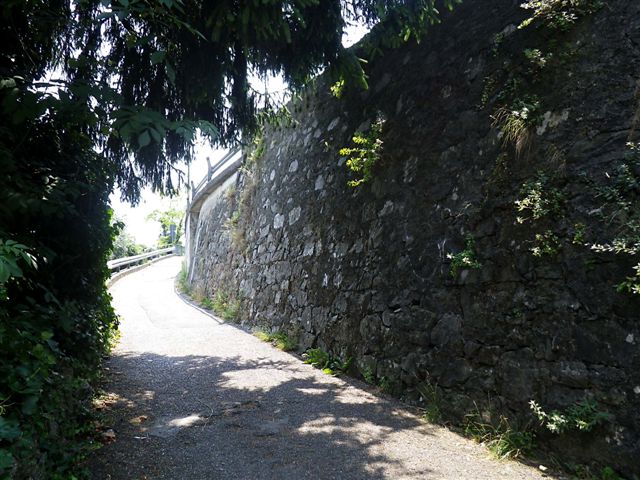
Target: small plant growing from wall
pixel 536 57
pixel 257 149
pixel 366 153
pixel 545 243
pixel 516 122
pixel 337 89
pixel 538 200
pixel 582 416
pixel 466 259
pixel 559 14
pixel 619 209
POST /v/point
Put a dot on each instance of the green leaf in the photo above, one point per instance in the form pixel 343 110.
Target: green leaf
pixel 144 139
pixel 6 460
pixel 46 335
pixel 8 430
pixel 157 136
pixel 158 57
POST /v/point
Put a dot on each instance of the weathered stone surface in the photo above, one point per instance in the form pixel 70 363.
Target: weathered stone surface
pixel 364 272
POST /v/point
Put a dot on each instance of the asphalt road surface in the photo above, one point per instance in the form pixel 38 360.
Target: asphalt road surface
pixel 190 397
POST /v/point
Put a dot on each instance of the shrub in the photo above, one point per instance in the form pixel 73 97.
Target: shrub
pixel 56 321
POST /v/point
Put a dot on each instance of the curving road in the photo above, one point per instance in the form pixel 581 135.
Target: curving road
pixel 193 398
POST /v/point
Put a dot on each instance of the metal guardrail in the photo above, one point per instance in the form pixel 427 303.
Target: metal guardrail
pixel 216 175
pixel 120 263
pixel 214 170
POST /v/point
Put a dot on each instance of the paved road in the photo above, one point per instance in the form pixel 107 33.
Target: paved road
pixel 194 398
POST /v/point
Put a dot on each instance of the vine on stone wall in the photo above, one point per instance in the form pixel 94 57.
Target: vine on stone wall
pixel 620 213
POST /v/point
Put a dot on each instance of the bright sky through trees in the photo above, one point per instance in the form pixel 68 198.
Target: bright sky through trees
pixel 146 232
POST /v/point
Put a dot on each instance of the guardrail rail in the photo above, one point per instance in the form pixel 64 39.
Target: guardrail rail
pixel 229 159
pixel 122 263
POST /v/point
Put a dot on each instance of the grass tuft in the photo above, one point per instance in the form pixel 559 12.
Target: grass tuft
pixel 502 440
pixel 280 340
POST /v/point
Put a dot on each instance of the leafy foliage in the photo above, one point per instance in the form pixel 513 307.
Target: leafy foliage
pixel 583 416
pixel 538 199
pixel 545 243
pixel 620 211
pixel 124 245
pixel 337 89
pixel 559 14
pixel 11 253
pixel 366 153
pixel 170 218
pixel 56 321
pixel 147 75
pixel 325 362
pixel 465 259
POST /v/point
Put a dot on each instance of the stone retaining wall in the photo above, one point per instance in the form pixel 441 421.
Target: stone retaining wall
pixel 366 272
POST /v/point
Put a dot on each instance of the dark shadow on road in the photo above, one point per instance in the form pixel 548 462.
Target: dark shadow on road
pixel 208 418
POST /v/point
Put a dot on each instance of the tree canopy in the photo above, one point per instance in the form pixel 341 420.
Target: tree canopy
pixel 144 75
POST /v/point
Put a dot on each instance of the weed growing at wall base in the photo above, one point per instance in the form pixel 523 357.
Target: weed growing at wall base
pixel 325 362
pixel 502 439
pixel 280 340
pixel 432 412
pixel 369 375
pixel 182 281
pixel 585 472
pixel 225 305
